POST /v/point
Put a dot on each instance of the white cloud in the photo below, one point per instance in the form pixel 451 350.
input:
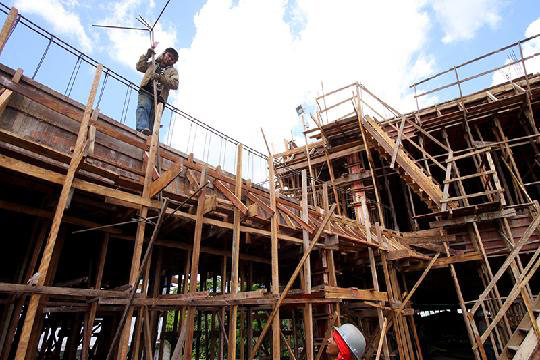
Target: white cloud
pixel 64 21
pixel 127 45
pixel 252 63
pixel 530 48
pixel 460 19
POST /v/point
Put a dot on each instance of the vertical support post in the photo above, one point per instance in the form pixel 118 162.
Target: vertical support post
pixel 91 313
pixel 231 353
pixel 274 225
pixel 473 339
pixel 222 311
pixel 139 237
pixel 308 308
pixel 308 157
pixel 195 264
pixel 78 153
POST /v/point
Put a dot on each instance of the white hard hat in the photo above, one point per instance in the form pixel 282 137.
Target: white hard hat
pixel 353 338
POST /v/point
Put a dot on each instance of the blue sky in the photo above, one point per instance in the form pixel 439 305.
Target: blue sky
pixel 246 64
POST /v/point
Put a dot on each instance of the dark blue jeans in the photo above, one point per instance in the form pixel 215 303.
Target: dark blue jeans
pixel 145 112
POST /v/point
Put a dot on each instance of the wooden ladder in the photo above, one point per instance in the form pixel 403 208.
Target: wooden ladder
pixel 523 340
pixel 422 184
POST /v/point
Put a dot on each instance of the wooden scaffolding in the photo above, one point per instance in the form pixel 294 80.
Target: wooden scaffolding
pixel 211 262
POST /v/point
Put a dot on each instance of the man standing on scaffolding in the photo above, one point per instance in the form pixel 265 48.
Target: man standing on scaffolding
pixel 166 78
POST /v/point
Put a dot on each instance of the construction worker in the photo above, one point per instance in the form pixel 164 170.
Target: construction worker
pixel 346 343
pixel 166 78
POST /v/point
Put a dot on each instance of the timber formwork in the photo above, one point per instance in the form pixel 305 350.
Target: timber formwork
pixel 117 246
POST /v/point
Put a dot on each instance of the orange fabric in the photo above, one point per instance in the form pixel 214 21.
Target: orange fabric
pixel 344 351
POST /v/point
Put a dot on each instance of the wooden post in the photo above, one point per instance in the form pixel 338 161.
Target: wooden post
pixel 274 229
pixel 332 279
pixel 139 237
pixel 8 26
pixel 231 353
pixel 91 313
pixel 222 310
pixel 294 275
pixel 472 337
pixel 195 264
pixel 308 310
pixel 311 173
pixel 57 219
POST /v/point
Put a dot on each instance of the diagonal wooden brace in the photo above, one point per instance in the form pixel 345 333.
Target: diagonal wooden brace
pixel 231 197
pixel 166 178
pixel 296 218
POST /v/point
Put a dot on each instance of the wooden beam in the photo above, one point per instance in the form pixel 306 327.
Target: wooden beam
pixel 303 223
pixel 8 26
pixel 238 204
pixel 354 294
pixel 60 291
pixel 57 178
pixel 165 178
pixel 260 203
pixel 51 241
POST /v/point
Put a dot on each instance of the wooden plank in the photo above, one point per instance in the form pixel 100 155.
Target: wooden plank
pixel 238 204
pixel 231 353
pixel 57 178
pixel 165 178
pixel 7 27
pixel 446 261
pixel 354 294
pixel 474 218
pixel 272 317
pixel 60 291
pixel 62 202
